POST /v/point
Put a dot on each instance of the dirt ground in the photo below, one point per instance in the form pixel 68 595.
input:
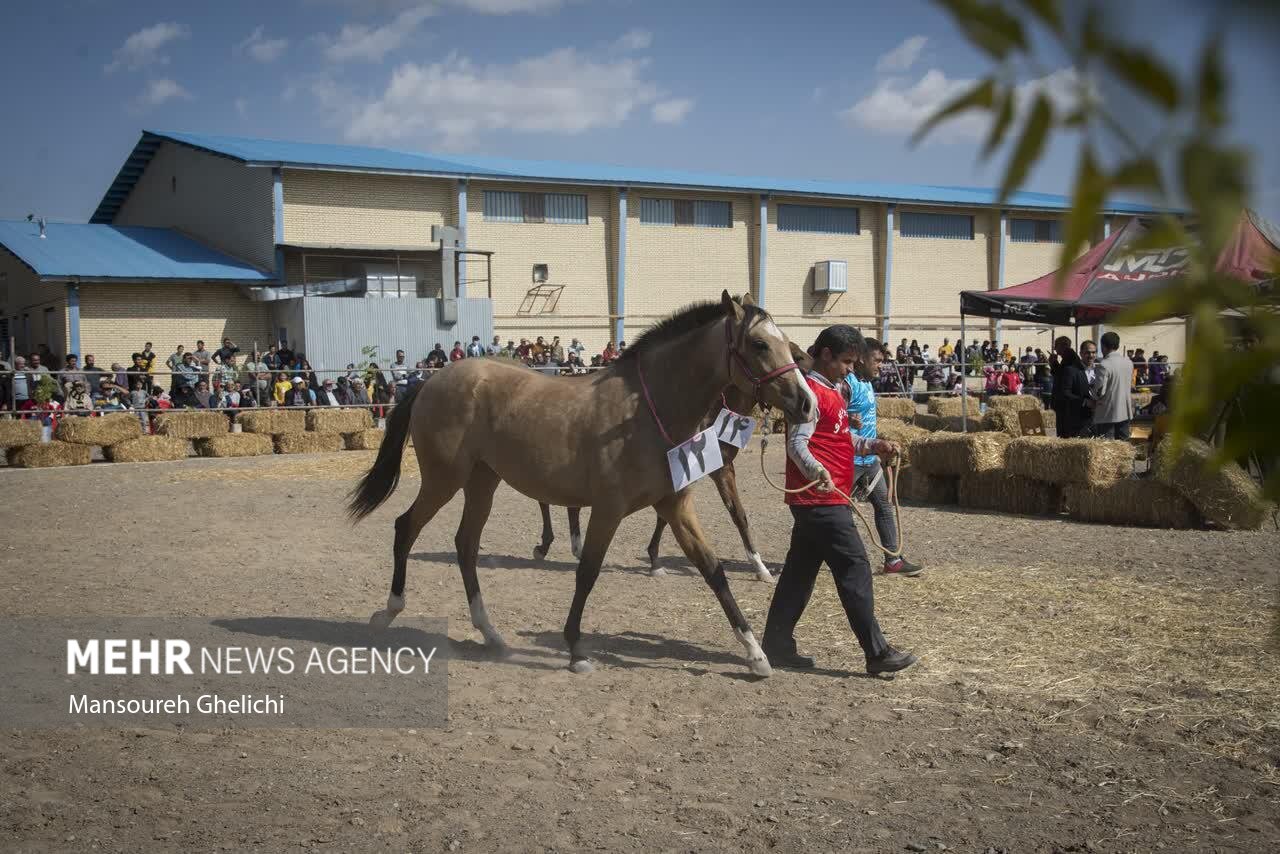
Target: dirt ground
pixel 1082 688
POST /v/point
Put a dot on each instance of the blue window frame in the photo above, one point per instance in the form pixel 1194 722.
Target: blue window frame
pixel 936 225
pixel 1035 231
pixel 556 208
pixel 818 219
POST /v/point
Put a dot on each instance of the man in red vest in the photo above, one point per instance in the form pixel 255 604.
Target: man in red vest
pixel 824 529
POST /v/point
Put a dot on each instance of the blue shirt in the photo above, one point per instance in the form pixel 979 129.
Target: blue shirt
pixel 862 402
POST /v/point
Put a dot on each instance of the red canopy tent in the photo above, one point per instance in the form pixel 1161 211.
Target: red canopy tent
pixel 1107 279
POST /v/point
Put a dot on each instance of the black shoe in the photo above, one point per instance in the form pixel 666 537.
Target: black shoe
pixel 786 656
pixel 902 566
pixel 890 661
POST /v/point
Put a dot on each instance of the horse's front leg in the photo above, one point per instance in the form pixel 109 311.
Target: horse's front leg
pixel 726 480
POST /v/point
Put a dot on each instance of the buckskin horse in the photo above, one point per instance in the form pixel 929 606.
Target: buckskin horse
pixel 483 421
pixel 725 478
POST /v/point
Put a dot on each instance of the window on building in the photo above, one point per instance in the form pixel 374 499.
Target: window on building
pixel 557 208
pixel 1035 231
pixel 696 212
pixel 818 219
pixel 936 225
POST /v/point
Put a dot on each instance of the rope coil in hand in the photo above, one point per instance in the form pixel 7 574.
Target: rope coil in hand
pixel 891 474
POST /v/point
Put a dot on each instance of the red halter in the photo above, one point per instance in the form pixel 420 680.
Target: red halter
pixel 732 353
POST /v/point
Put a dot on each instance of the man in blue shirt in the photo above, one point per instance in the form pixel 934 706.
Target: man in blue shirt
pixel 870 477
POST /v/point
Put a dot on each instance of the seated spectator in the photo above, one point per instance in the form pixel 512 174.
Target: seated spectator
pixel 457 354
pixel 597 361
pixel 523 351
pixel 187 372
pixel 359 394
pixel 71 374
pixel 609 355
pixel 934 376
pixel 327 394
pixel 438 355
pixel 1008 382
pixel 343 391
pixel 78 398
pixel 202 395
pixel 185 398
pixel 298 395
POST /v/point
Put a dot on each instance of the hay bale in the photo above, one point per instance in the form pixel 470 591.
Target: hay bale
pixel 957 424
pixel 916 487
pixel 274 421
pixel 1009 493
pixel 101 430
pixel 235 445
pixel 307 443
pixel 950 407
pixel 336 420
pixel 1002 421
pixel 1094 461
pixel 1142 502
pixel 364 440
pixel 148 449
pixel 15 433
pixel 1012 403
pixel 1050 419
pixel 1225 496
pixel 957 454
pixel 895 407
pixel 192 424
pixel 904 434
pixel 928 422
pixel 50 454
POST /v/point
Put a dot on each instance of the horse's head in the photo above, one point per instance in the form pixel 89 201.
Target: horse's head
pixel 761 361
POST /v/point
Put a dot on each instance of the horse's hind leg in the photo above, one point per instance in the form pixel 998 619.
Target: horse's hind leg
pixel 601 527
pixel 432 496
pixel 575 531
pixel 727 484
pixel 479 497
pixel 654 542
pixel 541 550
pixel 678 511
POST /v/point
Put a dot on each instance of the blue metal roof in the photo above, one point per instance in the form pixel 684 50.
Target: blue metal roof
pixel 90 251
pixel 310 155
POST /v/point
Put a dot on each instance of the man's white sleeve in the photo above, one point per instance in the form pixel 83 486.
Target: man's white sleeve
pixel 798 450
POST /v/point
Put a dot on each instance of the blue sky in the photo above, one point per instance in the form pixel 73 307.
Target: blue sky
pixel 800 89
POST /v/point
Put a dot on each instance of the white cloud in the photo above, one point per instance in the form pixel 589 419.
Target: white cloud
pixel 902 57
pixel 634 40
pixel 900 109
pixel 372 44
pixel 143 47
pixel 160 91
pixel 561 92
pixel 261 48
pixel 242 107
pixel 672 111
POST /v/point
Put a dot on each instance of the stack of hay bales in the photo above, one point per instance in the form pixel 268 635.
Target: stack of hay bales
pixel 1141 502
pixel 950 407
pixel 1008 493
pixel 307 443
pixel 940 462
pixel 1095 478
pixel 272 421
pixel 350 428
pixel 15 434
pixel 236 445
pixel 903 408
pixel 1002 412
pixel 904 434
pixel 928 421
pixel 119 434
pixel 49 454
pixel 1225 496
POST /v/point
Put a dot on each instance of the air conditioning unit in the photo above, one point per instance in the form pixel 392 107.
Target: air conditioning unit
pixel 831 277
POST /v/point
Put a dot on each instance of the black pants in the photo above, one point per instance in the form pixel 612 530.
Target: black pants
pixel 886 524
pixel 1115 430
pixel 824 534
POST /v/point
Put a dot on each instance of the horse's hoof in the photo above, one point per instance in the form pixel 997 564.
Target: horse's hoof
pixel 582 665
pixel 656 572
pixel 381 619
pixel 539 553
pixel 761 667
pixel 767 577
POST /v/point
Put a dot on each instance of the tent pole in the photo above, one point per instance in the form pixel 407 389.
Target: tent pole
pixel 964 381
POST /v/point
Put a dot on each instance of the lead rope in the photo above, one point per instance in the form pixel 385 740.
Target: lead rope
pixel 892 477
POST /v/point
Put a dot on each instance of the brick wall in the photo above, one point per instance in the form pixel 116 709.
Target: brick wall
pixel 578 257
pixel 116 320
pixel 222 203
pixel 350 209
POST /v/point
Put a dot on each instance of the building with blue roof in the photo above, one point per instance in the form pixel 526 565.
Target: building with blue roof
pixel 302 241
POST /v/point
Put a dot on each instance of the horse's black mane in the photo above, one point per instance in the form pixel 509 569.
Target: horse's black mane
pixel 685 320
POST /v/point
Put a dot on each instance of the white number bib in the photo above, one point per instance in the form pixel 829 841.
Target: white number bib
pixel 695 459
pixel 733 428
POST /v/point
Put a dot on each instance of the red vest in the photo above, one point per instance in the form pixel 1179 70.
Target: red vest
pixel 831 444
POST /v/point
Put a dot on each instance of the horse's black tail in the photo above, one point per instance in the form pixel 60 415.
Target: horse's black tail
pixel 381 480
